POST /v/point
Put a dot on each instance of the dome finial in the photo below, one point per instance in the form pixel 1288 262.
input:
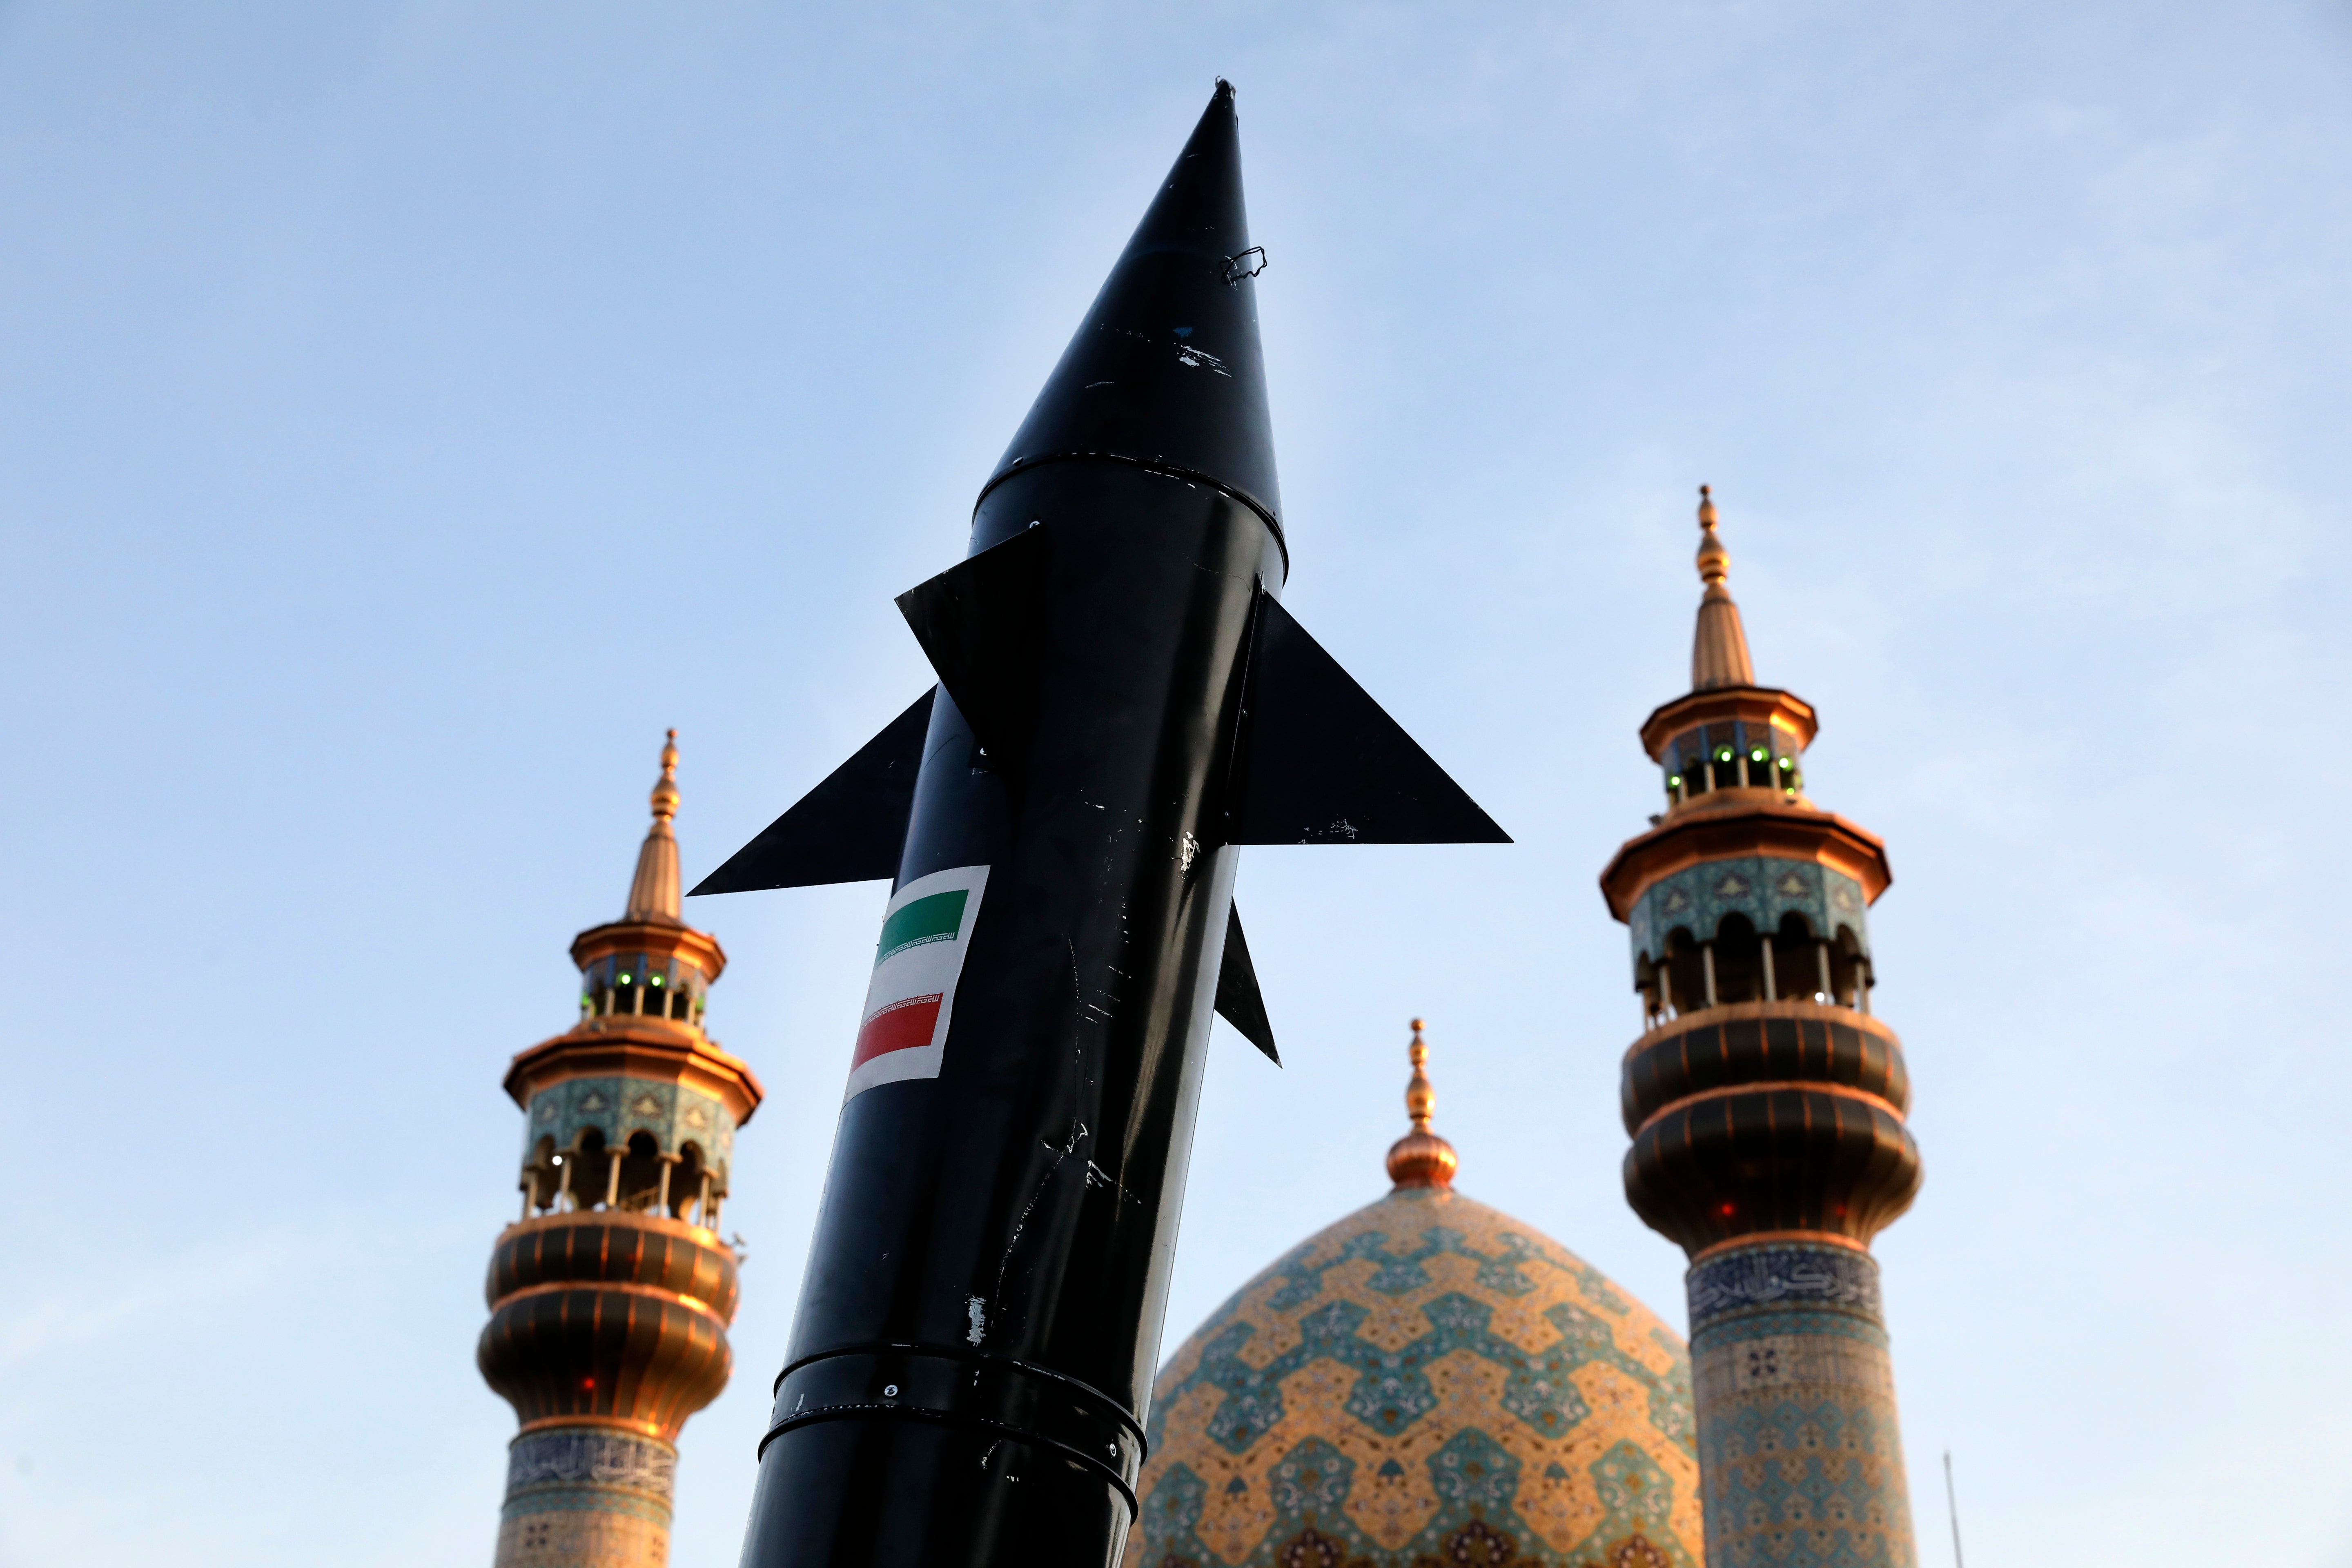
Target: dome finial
pixel 1719 650
pixel 654 890
pixel 666 788
pixel 1420 1158
pixel 1714 560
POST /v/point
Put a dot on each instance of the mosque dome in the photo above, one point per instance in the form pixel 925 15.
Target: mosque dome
pixel 1427 1383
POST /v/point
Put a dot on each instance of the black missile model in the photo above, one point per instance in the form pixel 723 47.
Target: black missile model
pixel 1122 704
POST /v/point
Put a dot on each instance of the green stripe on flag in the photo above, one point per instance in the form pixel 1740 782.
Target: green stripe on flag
pixel 935 919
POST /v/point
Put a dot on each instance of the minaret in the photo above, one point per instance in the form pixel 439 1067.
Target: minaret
pixel 610 1297
pixel 1766 1105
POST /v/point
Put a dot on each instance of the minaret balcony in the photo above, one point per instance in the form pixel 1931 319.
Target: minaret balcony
pixel 1769 1118
pixel 608 1318
pixel 1712 1048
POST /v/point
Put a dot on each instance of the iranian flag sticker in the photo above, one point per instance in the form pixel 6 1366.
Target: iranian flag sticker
pixel 925 933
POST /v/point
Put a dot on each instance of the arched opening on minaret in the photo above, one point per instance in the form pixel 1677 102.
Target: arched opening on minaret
pixel 1788 960
pixel 1681 984
pixel 539 1173
pixel 585 1167
pixel 638 1184
pixel 566 1178
pixel 1739 961
pixel 1849 971
pixel 689 1195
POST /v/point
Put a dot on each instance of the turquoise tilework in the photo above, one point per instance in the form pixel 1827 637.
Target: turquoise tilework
pixel 619 1107
pixel 1801 1457
pixel 1760 886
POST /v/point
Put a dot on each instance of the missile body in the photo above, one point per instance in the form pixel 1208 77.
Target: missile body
pixel 1122 703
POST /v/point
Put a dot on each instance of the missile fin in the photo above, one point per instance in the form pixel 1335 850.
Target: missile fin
pixel 849 829
pixel 1238 1000
pixel 979 623
pixel 1321 762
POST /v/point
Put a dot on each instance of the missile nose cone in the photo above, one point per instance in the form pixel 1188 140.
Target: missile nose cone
pixel 1165 369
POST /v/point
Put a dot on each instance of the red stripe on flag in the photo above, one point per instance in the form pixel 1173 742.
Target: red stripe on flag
pixel 897 1027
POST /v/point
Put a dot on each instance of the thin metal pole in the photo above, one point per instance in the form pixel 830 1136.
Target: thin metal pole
pixel 1952 1503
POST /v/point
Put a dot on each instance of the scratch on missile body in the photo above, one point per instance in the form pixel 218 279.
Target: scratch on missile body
pixel 1218 571
pixel 1005 1262
pixel 1077 1134
pixel 1099 1177
pixel 1187 355
pixel 1193 359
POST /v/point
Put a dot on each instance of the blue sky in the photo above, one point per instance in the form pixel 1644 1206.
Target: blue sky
pixel 409 411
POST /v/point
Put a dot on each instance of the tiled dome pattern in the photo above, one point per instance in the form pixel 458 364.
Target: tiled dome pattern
pixel 1428 1383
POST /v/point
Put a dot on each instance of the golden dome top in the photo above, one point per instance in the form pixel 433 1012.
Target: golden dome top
pixel 1428 1383
pixel 1714 560
pixel 665 798
pixel 1420 1158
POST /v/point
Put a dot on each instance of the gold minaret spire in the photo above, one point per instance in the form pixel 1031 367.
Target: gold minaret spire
pixel 653 891
pixel 1420 1158
pixel 1719 649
